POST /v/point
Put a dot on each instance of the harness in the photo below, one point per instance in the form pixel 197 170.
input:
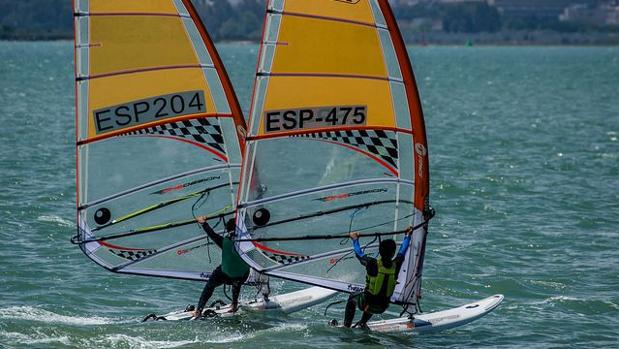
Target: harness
pixel 383 284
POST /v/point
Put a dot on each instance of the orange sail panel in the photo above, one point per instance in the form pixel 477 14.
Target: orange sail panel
pixel 335 102
pixel 160 136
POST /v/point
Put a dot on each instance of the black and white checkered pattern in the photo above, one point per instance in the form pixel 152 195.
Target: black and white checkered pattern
pixel 199 130
pixel 378 142
pixel 132 255
pixel 285 259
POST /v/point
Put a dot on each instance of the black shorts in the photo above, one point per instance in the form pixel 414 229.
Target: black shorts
pixel 219 277
pixel 371 304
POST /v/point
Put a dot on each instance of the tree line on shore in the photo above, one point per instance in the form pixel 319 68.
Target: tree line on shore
pixel 52 19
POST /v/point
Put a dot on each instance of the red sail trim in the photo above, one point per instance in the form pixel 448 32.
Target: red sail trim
pixel 180 139
pixel 107 244
pixel 326 18
pixel 237 113
pixel 150 124
pixel 422 174
pixel 370 155
pixel 268 249
pixel 142 70
pixel 328 129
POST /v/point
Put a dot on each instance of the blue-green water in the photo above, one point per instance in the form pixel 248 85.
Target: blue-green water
pixel 524 156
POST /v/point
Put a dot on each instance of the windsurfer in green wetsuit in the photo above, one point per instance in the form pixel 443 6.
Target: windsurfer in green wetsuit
pixel 380 280
pixel 232 271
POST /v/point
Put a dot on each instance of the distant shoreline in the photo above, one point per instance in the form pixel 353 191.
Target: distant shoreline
pixel 502 38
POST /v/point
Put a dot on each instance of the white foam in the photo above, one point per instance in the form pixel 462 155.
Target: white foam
pixel 560 299
pixel 121 340
pixel 56 219
pixel 42 315
pixel 236 337
pixel 551 284
pixel 15 337
pixel 573 299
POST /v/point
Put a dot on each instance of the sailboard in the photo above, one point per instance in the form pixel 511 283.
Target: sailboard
pixel 284 303
pixel 335 108
pixel 439 320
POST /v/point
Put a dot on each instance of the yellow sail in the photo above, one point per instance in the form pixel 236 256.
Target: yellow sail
pixel 336 103
pixel 160 136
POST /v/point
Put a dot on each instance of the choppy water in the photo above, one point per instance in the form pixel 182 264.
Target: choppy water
pixel 525 178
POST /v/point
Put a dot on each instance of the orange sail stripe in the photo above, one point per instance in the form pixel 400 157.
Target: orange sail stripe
pixel 422 171
pixel 237 113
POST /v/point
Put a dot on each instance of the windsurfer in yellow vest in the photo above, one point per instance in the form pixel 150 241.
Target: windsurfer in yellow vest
pixel 380 280
pixel 232 271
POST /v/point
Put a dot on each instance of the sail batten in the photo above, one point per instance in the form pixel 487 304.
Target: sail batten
pixel 159 137
pixel 335 102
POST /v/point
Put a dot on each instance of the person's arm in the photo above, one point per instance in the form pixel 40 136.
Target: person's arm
pixel 217 239
pixel 399 258
pixel 363 259
pixel 406 242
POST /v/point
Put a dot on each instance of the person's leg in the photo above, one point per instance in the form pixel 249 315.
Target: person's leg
pixel 364 319
pixel 349 313
pixel 236 290
pixel 215 280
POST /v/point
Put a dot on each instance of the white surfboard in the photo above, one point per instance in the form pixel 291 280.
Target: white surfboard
pixel 440 320
pixel 286 303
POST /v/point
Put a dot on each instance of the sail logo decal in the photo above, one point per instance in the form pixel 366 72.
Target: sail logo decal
pixel 184 185
pixel 311 118
pixel 421 152
pixel 347 195
pixel 354 288
pixel 183 251
pixel 142 111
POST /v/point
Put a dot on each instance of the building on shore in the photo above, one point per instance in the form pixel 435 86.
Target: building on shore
pixel 540 9
pixel 606 14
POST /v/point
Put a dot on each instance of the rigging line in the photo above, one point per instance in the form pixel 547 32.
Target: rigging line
pixel 335 210
pixel 329 237
pixel 332 304
pixel 311 259
pixel 385 223
pixel 413 281
pixel 344 256
pixel 320 189
pixel 193 213
pixel 216 214
pixel 352 218
pixel 345 240
pixel 381 224
pixel 160 205
pixel 417 277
